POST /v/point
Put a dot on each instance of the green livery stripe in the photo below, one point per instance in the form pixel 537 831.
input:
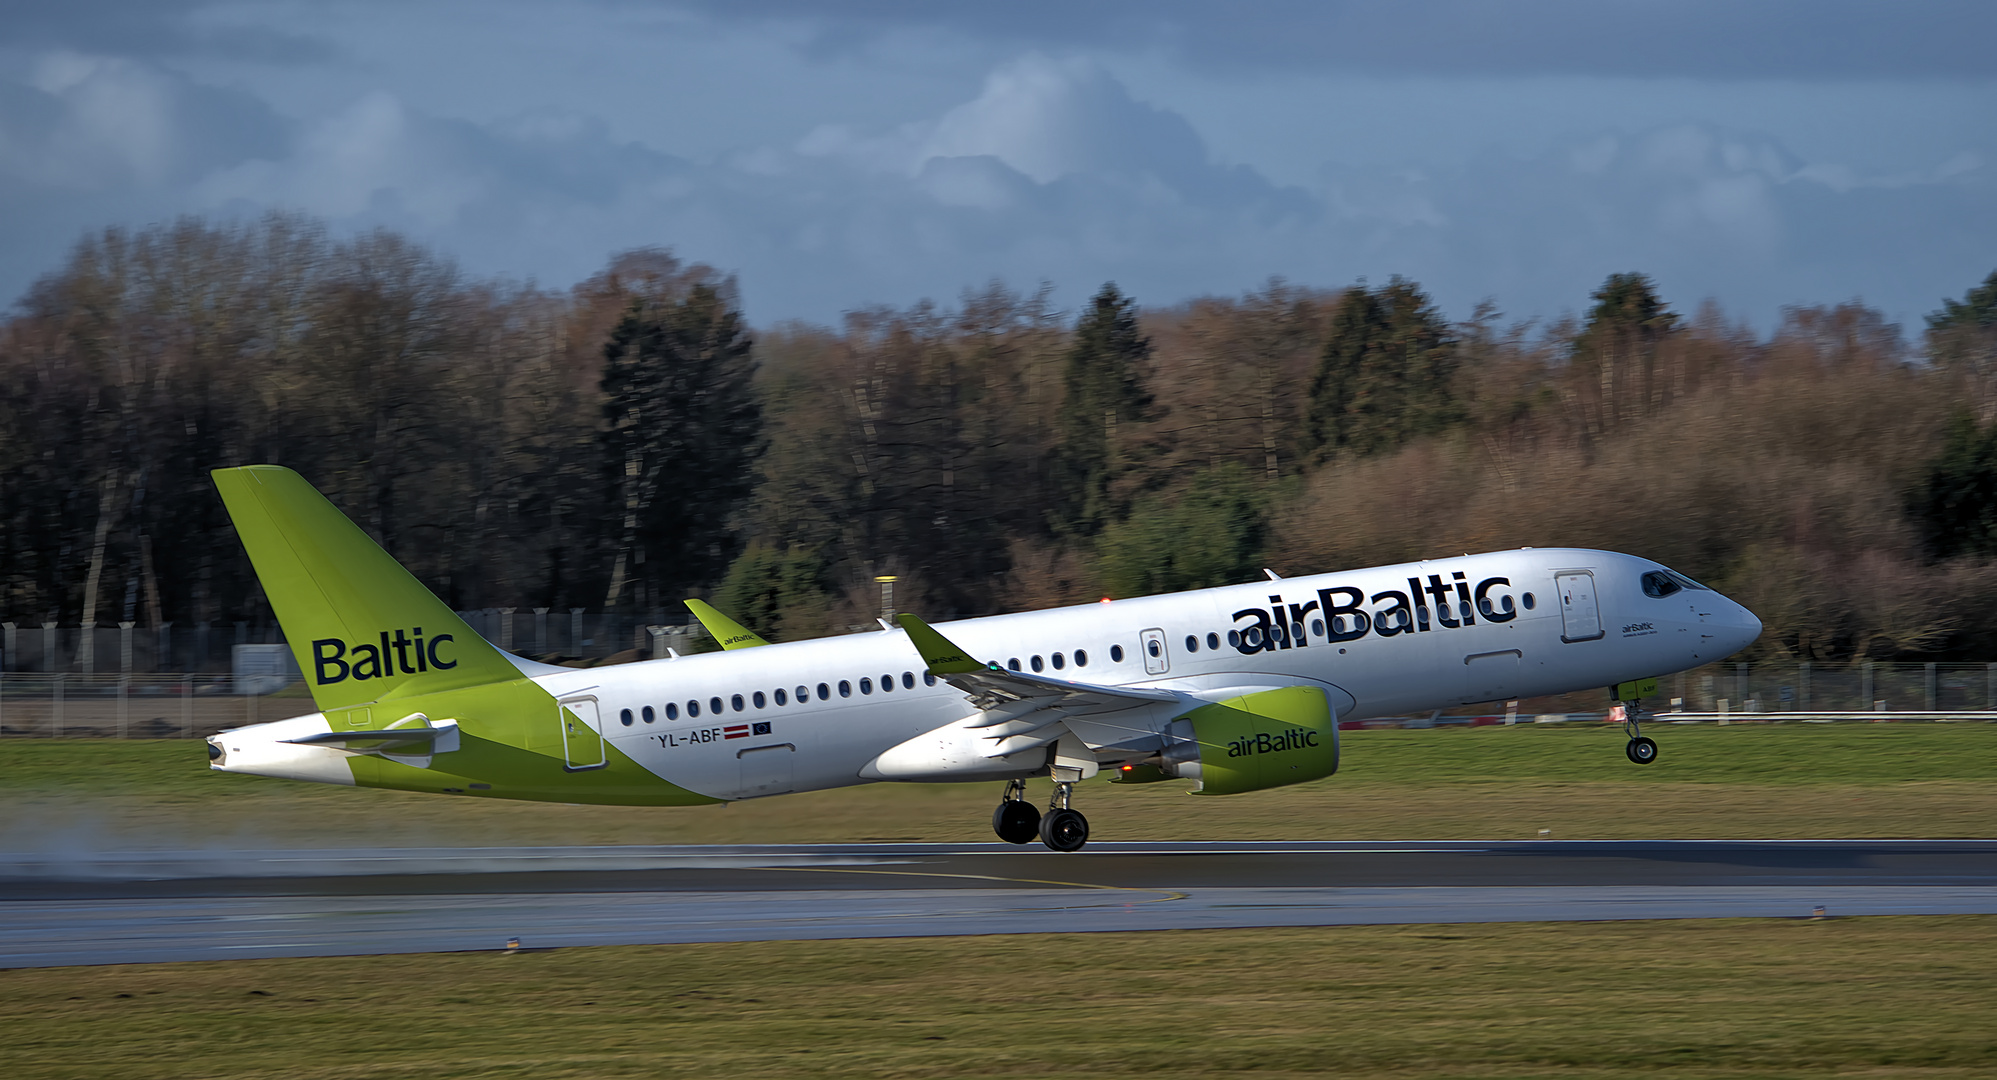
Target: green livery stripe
pixel 731 634
pixel 940 653
pixel 363 629
pixel 511 740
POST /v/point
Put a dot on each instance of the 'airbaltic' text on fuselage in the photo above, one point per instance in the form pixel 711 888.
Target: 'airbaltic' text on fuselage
pixel 1349 614
pixel 334 660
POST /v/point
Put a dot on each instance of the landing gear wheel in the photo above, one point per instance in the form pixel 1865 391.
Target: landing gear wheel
pixel 1064 830
pixel 1641 750
pixel 1016 822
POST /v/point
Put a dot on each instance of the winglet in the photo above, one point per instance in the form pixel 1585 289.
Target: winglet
pixel 731 634
pixel 942 656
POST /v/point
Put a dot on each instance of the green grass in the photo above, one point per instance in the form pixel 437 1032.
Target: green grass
pixel 1900 997
pixel 1778 780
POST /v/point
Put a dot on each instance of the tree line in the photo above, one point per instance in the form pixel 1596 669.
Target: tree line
pixel 631 441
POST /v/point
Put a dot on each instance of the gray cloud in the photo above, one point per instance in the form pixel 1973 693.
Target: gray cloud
pixel 1770 39
pixel 150 28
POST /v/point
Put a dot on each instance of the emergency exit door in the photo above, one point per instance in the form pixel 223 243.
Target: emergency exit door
pixel 582 734
pixel 1580 615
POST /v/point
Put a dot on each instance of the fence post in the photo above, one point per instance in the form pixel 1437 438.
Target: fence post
pixel 506 628
pixel 163 648
pixel 49 662
pixel 187 706
pixel 1803 685
pixel 125 648
pixel 86 649
pixel 7 648
pixel 541 632
pixel 1931 687
pixel 58 704
pixel 1865 698
pixel 575 630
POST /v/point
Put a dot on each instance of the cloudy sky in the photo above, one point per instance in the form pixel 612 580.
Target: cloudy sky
pixel 836 155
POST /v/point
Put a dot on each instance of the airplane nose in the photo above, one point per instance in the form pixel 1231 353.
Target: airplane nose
pixel 1748 625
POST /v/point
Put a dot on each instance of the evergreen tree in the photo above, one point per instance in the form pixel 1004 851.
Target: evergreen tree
pixel 1963 335
pixel 1211 534
pixel 1957 505
pixel 1614 360
pixel 1105 393
pixel 1385 374
pixel 781 594
pixel 684 432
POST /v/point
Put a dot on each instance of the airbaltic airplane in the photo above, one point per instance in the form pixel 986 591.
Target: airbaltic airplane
pixel 1236 688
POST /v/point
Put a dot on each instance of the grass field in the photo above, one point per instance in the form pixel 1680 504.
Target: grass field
pixel 1746 780
pixel 1900 997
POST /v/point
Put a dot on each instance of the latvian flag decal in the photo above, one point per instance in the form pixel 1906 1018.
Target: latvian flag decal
pixel 736 731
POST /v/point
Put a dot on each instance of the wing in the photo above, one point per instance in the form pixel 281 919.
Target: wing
pixel 1022 711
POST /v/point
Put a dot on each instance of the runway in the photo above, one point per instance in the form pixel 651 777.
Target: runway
pixel 57 909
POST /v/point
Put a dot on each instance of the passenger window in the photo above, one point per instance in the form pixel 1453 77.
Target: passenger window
pixel 1013 663
pixel 1152 648
pixel 756 698
pixel 672 711
pixel 1037 664
pixel 1253 637
pixel 714 705
pixel 648 714
pixel 1192 643
pixel 1234 638
pixel 624 717
pixel 825 692
pixel 1657 585
pixel 693 708
pixel 908 680
pixel 1317 627
pixel 866 686
pixel 1116 654
pixel 928 679
pixel 804 695
pixel 1527 598
pixel 1081 658
pixel 1059 661
pixel 736 700
pixel 845 688
pixel 887 684
pixel 781 698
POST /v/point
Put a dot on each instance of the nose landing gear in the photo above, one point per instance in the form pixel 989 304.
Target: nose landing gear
pixel 1640 749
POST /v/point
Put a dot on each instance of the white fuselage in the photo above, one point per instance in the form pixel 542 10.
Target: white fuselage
pixel 1485 628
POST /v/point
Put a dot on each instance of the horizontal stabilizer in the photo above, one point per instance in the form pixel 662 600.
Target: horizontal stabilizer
pixel 731 634
pixel 438 737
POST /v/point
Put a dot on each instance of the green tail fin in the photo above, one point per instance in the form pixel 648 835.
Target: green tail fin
pixel 361 626
pixel 731 634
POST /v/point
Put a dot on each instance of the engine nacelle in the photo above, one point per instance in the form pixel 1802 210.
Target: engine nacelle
pixel 1262 740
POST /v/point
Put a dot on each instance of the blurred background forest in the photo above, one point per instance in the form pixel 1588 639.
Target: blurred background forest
pixel 631 441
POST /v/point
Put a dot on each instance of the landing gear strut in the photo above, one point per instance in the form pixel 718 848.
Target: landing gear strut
pixel 1016 821
pixel 1641 749
pixel 1061 828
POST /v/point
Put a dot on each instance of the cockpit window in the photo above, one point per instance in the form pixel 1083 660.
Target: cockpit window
pixel 1658 584
pixel 1685 581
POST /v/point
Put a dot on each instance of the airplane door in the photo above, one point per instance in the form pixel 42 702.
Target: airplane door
pixel 1580 616
pixel 582 735
pixel 1156 660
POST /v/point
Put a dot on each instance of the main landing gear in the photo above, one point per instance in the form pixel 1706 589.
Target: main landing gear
pixel 1640 749
pixel 1060 828
pixel 1016 821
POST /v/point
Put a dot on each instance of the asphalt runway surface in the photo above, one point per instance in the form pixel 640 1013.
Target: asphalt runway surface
pixel 57 908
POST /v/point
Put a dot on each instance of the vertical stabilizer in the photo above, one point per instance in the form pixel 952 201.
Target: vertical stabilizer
pixel 362 627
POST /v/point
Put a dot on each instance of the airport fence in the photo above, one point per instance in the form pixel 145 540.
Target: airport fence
pixel 127 649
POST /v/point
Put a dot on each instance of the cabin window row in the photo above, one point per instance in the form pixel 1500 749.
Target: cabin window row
pixel 1060 660
pixel 716 706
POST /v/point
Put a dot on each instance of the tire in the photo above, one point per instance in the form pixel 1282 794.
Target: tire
pixel 1064 830
pixel 1016 822
pixel 1641 750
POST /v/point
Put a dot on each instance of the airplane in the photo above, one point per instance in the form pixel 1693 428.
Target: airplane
pixel 1238 688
